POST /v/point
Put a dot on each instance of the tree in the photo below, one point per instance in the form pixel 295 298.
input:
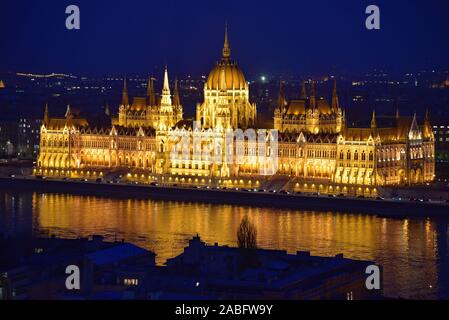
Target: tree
pixel 246 238
pixel 247 234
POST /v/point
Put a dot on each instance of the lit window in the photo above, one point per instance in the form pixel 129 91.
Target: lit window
pixel 131 282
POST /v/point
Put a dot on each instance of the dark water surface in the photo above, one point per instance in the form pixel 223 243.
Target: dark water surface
pixel 413 252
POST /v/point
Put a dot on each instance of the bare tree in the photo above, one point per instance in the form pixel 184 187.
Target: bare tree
pixel 247 234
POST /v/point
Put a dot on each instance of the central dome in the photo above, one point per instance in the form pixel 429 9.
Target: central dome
pixel 226 75
pixel 233 77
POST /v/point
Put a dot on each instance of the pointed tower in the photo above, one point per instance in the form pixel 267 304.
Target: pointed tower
pixel 414 133
pixel 427 130
pixel 303 94
pixel 176 100
pixel 281 98
pixel 166 99
pixel 398 115
pixel 106 109
pixel 125 98
pixel 46 115
pixel 312 96
pixel 68 113
pixel 226 48
pixel 373 120
pixel 150 92
pixel 335 102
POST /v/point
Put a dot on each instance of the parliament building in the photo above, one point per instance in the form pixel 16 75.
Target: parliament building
pixel 309 147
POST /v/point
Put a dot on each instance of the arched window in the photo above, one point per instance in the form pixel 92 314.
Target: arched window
pixel 363 156
pixel 341 155
pixel 371 156
pixel 356 156
pixel 348 155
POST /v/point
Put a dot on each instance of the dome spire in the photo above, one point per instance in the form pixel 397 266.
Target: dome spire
pixel 226 49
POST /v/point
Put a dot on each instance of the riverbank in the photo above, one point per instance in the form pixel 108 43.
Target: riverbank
pixel 388 208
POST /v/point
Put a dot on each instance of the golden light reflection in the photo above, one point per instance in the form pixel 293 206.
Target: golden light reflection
pixel 403 247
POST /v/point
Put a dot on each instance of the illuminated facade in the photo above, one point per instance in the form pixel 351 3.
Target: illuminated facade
pixel 311 148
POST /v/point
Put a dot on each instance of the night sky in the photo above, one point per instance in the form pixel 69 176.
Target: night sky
pixel 273 37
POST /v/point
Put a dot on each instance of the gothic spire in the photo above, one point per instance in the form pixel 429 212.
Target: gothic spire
pixel 427 116
pixel 373 120
pixel 166 99
pixel 150 92
pixel 427 128
pixel 281 97
pixel 166 87
pixel 335 101
pixel 106 109
pixel 176 100
pixel 125 98
pixel 397 113
pixel 312 96
pixel 68 113
pixel 303 94
pixel 414 126
pixel 46 114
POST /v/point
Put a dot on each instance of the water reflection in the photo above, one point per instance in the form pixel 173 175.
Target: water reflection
pixel 413 252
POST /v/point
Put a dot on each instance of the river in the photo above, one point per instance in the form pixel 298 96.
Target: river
pixel 413 252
